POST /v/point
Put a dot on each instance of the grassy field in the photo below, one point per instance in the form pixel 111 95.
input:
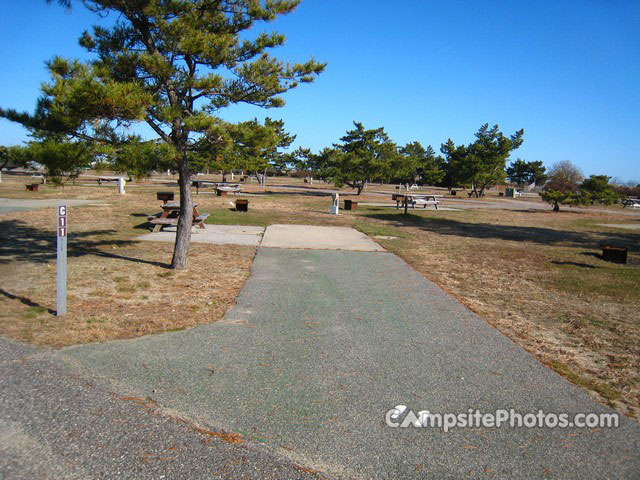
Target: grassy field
pixel 118 287
pixel 537 276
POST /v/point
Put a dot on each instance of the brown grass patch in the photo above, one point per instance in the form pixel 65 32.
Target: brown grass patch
pixel 534 275
pixel 117 287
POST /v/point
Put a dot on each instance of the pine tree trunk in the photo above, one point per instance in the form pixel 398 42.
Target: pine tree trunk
pixel 183 235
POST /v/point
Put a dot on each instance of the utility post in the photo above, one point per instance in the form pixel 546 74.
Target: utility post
pixel 61 266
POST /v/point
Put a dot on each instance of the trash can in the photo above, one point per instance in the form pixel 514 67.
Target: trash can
pixel 614 254
pixel 351 204
pixel 242 205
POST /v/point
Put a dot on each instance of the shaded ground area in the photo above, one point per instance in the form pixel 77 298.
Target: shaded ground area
pixel 57 424
pixel 322 343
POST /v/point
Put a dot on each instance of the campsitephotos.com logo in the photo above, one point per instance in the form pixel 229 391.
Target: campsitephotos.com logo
pixel 401 416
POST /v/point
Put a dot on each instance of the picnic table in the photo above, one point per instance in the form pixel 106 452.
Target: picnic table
pixel 201 184
pixel 415 198
pixel 170 214
pixel 101 179
pixel 223 188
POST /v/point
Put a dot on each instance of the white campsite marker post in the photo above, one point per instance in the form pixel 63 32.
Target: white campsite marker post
pixel 62 260
pixel 335 207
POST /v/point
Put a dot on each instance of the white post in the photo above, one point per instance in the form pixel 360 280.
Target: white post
pixel 61 261
pixel 121 183
pixel 0 176
pixel 335 208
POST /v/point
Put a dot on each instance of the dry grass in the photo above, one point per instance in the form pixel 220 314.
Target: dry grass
pixel 118 288
pixel 534 275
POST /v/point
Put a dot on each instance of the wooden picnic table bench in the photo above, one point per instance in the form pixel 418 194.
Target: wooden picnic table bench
pixel 111 179
pixel 415 198
pixel 631 202
pixel 223 188
pixel 201 184
pixel 170 214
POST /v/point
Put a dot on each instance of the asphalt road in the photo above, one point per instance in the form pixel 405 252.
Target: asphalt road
pixel 58 423
pixel 321 344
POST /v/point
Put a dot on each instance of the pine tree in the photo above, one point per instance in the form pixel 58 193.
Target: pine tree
pixel 487 157
pixel 172 65
pixel 521 172
pixel 428 167
pixel 364 155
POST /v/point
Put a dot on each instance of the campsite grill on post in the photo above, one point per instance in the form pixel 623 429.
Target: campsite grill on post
pixel 165 196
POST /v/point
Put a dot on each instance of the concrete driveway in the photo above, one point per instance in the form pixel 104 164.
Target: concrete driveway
pixel 321 344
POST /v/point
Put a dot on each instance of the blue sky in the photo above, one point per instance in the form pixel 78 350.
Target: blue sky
pixel 568 72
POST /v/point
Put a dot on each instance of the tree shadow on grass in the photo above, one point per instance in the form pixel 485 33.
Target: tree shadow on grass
pixel 541 235
pixel 25 301
pixel 574 264
pixel 147 226
pixel 22 242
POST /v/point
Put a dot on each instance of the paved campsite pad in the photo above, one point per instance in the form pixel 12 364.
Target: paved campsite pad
pixel 8 205
pixel 628 226
pixel 318 238
pixel 216 234
pixel 322 343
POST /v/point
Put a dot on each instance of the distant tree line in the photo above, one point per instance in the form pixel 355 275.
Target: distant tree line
pixel 368 155
pixel 250 146
pixel 360 157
